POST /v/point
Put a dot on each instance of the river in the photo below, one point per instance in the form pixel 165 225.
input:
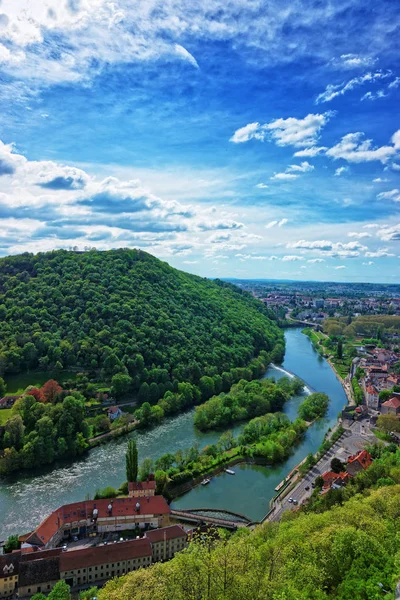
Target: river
pixel 26 500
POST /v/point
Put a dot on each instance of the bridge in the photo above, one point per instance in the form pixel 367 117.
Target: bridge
pixel 220 518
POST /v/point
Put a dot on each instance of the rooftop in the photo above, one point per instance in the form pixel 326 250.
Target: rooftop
pixel 70 513
pixel 168 533
pixel 88 557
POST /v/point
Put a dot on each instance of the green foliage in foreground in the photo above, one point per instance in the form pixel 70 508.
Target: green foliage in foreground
pixel 313 407
pixel 341 554
pixel 125 312
pixel 245 401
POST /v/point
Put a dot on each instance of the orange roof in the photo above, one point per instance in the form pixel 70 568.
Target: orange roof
pixel 363 457
pixel 69 513
pixel 392 403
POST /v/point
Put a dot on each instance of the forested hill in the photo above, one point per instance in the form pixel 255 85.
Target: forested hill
pixel 124 311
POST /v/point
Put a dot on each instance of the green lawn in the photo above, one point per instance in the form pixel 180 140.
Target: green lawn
pixel 17 384
pixel 5 414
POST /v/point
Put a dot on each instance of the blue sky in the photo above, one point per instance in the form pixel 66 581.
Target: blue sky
pixel 233 139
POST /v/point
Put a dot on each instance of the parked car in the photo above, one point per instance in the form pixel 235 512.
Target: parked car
pixel 75 538
pixel 307 488
pixel 290 499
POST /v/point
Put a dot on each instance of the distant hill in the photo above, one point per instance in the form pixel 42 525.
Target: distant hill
pixel 124 311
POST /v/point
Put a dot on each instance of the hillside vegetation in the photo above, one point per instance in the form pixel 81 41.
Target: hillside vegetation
pixel 125 313
pixel 350 552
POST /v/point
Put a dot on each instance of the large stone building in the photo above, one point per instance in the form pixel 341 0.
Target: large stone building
pixel 99 516
pixel 38 571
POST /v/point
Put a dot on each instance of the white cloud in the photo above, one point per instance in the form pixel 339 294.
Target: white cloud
pixel 380 180
pixel 271 224
pixel 262 186
pixel 248 132
pixel 311 152
pixel 369 263
pixel 339 267
pixel 280 223
pixel 251 257
pixel 298 132
pixel 381 252
pixel 353 61
pixel 353 148
pixel 291 258
pixel 396 139
pixel 190 262
pixel 389 233
pixel 371 226
pixel 304 167
pixel 316 260
pixel 341 170
pixel 329 248
pixel 285 132
pixel 359 236
pixel 332 91
pixel 390 195
pixel 283 176
pixel 293 172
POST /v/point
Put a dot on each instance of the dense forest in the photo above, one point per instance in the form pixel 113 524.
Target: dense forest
pixel 349 552
pixel 127 315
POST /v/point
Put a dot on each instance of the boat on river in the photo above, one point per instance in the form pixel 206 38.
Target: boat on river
pixel 206 481
pixel 230 472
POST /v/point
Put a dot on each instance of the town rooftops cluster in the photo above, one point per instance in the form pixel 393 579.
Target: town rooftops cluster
pixel 355 464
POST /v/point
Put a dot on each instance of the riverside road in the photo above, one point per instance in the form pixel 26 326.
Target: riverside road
pixel 355 438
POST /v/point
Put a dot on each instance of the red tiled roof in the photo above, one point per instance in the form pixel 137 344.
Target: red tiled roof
pixel 363 457
pixel 151 505
pixel 113 409
pixel 168 533
pixel 392 403
pixel 141 485
pixel 330 478
pixel 88 557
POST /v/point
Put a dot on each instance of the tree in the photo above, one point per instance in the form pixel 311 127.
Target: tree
pixel 388 423
pixel 14 432
pixel 90 594
pixel 120 384
pixel 336 465
pixel 3 387
pixel 145 468
pixel 144 392
pixel 319 482
pixel 12 543
pixel 132 461
pixel 51 391
pixel 61 591
pixel 340 349
pixel 227 440
pixel 384 395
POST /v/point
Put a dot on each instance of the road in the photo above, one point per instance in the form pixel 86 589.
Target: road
pixel 355 438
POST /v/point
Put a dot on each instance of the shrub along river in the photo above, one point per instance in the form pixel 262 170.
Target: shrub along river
pixel 26 500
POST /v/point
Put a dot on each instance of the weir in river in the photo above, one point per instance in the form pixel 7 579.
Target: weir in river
pixel 25 500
